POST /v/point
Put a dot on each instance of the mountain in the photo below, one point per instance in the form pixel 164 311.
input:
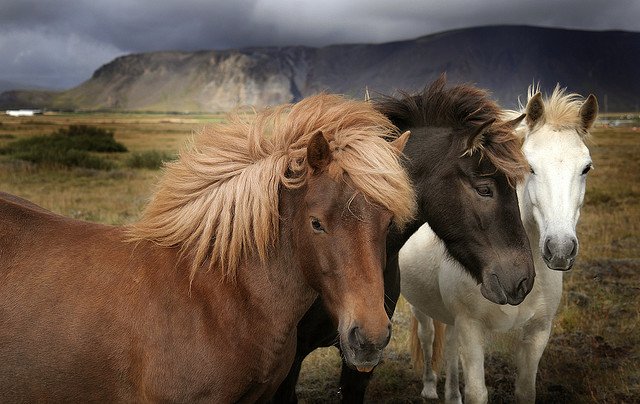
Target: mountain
pixel 503 59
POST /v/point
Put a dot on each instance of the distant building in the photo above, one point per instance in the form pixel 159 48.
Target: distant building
pixel 24 112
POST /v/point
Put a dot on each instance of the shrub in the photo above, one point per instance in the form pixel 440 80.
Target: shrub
pixel 65 158
pixel 67 147
pixel 152 159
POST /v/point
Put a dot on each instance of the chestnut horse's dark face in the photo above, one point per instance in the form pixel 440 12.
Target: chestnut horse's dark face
pixel 342 239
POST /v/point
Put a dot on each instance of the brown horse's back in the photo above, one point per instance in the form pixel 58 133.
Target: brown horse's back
pixel 42 304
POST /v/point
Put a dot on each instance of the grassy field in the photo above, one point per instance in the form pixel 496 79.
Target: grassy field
pixel 594 352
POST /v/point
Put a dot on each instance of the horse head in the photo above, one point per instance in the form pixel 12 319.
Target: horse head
pixel 464 160
pixel 343 237
pixel 553 193
pixel 477 215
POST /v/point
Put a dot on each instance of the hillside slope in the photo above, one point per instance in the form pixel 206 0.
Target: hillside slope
pixel 504 59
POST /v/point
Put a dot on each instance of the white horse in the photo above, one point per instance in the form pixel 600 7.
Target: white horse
pixel 550 199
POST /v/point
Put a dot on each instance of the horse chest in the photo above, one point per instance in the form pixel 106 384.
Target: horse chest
pixel 505 318
pixel 542 302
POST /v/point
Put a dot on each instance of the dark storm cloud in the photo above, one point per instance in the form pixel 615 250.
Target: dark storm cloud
pixel 137 26
pixel 59 43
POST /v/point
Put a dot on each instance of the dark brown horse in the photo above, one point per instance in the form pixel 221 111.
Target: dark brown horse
pixel 199 300
pixel 463 159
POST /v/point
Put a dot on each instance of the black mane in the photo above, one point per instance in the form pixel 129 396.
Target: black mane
pixel 466 109
pixel 462 106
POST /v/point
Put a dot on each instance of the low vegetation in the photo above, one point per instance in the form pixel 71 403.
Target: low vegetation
pixel 594 351
pixel 151 159
pixel 67 147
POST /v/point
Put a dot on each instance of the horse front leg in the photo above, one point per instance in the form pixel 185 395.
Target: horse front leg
pixel 471 343
pixel 426 333
pixel 452 357
pixel 535 335
pixel 286 392
pixel 353 384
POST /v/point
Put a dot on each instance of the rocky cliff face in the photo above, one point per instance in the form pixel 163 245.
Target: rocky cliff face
pixel 504 59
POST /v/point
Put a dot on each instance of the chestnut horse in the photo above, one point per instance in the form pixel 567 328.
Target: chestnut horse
pixel 199 300
pixel 463 160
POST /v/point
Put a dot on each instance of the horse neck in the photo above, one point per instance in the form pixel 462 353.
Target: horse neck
pixel 271 295
pixel 424 150
pixel 397 238
pixel 279 286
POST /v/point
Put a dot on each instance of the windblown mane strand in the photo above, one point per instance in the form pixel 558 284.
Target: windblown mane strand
pixel 219 201
pixel 463 108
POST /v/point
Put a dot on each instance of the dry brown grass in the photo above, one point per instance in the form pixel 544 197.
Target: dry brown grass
pixel 594 351
pixel 113 197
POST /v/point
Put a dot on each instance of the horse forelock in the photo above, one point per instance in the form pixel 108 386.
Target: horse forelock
pixel 463 107
pixel 504 149
pixel 219 201
pixel 561 108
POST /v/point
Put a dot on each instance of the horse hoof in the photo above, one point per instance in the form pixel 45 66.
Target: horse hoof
pixel 429 393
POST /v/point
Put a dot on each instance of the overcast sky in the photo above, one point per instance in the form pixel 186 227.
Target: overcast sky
pixel 59 43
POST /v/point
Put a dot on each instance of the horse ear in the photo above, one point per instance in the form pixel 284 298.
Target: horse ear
pixel 318 152
pixel 535 110
pixel 401 141
pixel 512 124
pixel 588 112
pixel 476 139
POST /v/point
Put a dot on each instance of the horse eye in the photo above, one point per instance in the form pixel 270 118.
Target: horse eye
pixel 587 169
pixel 316 225
pixel 484 190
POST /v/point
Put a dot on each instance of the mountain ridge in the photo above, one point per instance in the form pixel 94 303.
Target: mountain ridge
pixel 504 59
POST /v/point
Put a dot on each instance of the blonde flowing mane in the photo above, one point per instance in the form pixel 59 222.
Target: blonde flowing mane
pixel 561 109
pixel 219 201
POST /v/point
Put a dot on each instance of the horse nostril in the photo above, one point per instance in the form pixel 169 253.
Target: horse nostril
pixel 523 289
pixel 574 250
pixel 547 250
pixel 355 339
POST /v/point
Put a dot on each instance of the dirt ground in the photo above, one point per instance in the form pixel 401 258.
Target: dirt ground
pixel 590 365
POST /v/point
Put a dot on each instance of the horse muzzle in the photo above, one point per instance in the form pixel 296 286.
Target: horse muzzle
pixel 559 253
pixel 506 289
pixel 362 351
